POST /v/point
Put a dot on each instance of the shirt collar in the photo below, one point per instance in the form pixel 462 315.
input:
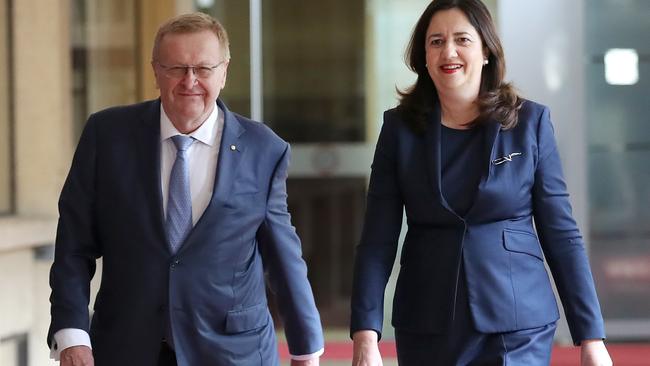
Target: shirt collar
pixel 206 133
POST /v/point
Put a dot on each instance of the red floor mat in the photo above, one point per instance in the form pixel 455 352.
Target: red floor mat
pixel 637 354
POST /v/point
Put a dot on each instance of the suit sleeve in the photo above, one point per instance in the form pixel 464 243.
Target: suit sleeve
pixel 76 247
pixel 282 256
pixel 375 254
pixel 561 240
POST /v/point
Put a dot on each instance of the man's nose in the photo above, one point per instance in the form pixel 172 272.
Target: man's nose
pixel 189 79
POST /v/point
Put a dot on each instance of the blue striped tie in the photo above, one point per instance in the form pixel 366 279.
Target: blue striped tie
pixel 179 201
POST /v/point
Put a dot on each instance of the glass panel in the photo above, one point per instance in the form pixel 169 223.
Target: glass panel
pixel 5 111
pixel 313 55
pixel 8 353
pixel 13 351
pixel 103 55
pixel 328 214
pixel 619 151
pixel 234 16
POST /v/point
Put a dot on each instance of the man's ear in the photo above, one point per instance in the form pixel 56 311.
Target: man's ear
pixel 225 74
pixel 155 74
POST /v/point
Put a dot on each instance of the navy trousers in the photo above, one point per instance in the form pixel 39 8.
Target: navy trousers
pixel 167 356
pixel 462 345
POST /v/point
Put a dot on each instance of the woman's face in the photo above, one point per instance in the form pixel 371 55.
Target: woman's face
pixel 454 54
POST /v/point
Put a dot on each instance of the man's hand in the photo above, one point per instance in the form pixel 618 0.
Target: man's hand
pixel 366 349
pixel 310 362
pixel 594 353
pixel 77 356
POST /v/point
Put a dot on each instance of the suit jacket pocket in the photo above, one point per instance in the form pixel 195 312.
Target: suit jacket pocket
pixel 250 318
pixel 522 242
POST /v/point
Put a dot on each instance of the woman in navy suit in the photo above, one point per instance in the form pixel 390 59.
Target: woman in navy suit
pixel 471 164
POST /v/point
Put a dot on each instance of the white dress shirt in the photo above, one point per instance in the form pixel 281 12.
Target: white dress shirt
pixel 203 156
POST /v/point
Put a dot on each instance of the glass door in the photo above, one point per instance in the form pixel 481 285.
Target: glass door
pixel 104 56
pixel 619 150
pixel 320 74
pixel 5 111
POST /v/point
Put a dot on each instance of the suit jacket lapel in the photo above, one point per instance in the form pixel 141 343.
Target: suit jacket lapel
pixel 492 129
pixel 148 152
pixel 433 142
pixel 230 153
pixel 231 150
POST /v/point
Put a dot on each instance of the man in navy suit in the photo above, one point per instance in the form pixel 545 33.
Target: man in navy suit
pixel 200 299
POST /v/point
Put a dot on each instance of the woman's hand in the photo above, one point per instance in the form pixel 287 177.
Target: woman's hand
pixel 366 349
pixel 594 353
pixel 312 362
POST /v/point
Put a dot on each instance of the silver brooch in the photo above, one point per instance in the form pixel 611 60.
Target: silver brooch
pixel 506 158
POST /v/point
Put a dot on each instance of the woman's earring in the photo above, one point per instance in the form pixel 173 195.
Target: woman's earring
pixel 485 62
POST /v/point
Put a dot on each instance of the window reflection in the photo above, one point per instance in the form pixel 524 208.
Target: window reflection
pixel 313 66
pixel 5 111
pixel 234 15
pixel 619 150
pixel 313 55
pixel 103 55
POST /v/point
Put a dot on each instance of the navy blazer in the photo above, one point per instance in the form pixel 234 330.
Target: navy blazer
pixel 213 289
pixel 521 189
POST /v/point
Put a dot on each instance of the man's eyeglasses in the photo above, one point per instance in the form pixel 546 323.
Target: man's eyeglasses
pixel 179 71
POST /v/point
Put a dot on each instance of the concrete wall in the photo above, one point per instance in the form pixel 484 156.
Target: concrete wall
pixel 43 147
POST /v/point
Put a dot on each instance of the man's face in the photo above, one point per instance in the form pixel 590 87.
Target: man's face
pixel 188 95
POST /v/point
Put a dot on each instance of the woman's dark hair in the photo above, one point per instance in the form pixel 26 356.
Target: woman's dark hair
pixel 496 99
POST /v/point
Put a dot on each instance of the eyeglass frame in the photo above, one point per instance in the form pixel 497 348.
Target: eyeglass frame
pixel 169 68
